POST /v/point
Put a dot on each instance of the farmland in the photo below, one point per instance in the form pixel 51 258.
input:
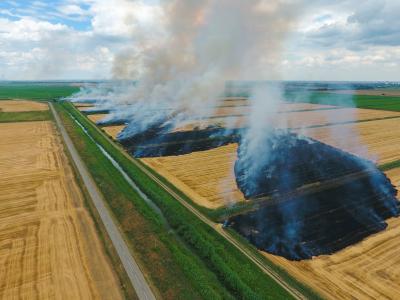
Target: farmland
pixel 96 117
pixel 233 270
pixel 49 243
pixel 113 130
pixel 389 102
pixel 367 139
pixel 41 92
pixel 210 183
pixel 21 106
pixel 367 270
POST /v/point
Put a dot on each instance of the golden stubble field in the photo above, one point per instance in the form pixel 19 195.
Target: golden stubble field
pixel 21 106
pixel 210 179
pixel 96 117
pixel 113 131
pixel 378 141
pixel 49 248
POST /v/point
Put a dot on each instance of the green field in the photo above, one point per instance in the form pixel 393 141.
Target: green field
pixel 359 101
pixel 36 91
pixel 239 277
pixel 24 116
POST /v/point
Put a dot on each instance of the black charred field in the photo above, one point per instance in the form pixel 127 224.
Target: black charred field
pixel 322 224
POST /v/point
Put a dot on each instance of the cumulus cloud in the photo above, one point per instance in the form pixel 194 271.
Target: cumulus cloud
pixel 96 39
pixel 347 40
pixel 374 23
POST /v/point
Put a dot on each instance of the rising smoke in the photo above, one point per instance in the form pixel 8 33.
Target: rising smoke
pixel 182 65
pixel 197 47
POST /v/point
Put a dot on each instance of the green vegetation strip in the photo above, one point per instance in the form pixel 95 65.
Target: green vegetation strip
pixel 36 91
pixel 391 103
pixel 236 273
pixel 25 116
pixel 389 166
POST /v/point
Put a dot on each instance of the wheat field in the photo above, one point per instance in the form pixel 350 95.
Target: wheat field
pixel 378 141
pixel 113 130
pixel 21 106
pixel 210 179
pixel 49 248
pixel 96 117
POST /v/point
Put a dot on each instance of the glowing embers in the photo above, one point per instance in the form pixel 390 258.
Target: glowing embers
pixel 301 225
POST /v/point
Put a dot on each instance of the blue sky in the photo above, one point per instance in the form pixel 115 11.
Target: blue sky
pixel 79 39
pixel 54 11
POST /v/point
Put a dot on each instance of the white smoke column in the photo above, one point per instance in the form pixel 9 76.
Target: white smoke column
pixel 202 45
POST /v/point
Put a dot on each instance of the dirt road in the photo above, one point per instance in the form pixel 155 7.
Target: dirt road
pixel 131 267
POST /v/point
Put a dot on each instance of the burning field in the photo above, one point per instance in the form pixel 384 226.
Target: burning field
pixel 298 180
pixel 322 227
pixel 351 198
pixel 49 244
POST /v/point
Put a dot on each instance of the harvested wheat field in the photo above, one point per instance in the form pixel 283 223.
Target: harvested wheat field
pixel 49 248
pixel 294 106
pixel 225 111
pixel 83 104
pixel 210 179
pixel 325 117
pixel 297 118
pixel 22 105
pixel 84 108
pixel 367 270
pixel 375 140
pixel 300 119
pixel 394 175
pixel 97 117
pixel 113 130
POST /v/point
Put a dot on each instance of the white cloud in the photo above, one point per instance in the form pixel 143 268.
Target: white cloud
pixel 346 40
pixel 121 17
pixel 333 40
pixel 72 10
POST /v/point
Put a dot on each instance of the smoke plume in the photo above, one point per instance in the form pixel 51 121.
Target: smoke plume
pixel 193 49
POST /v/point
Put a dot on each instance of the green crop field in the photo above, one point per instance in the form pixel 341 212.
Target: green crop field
pixel 36 91
pixel 359 101
pixel 24 116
